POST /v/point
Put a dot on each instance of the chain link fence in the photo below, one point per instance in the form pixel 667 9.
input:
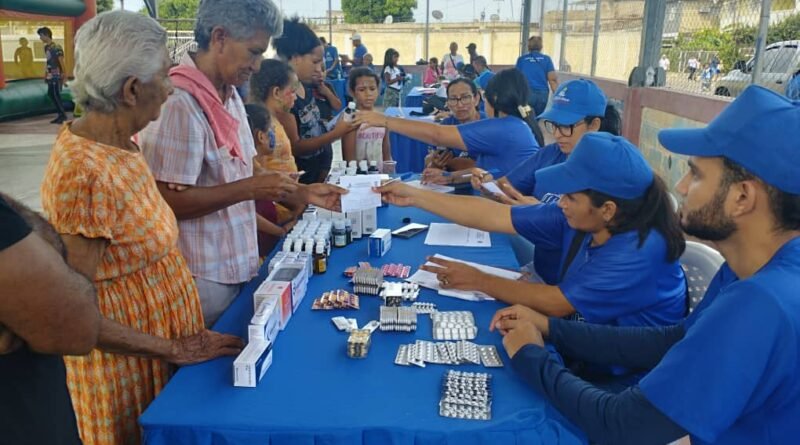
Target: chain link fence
pixel 707 46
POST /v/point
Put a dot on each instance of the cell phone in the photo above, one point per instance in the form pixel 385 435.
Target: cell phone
pixel 411 232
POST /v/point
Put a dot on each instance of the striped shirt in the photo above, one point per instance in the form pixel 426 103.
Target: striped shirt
pixel 180 148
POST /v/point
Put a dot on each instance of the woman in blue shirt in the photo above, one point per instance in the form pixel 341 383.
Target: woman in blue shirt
pixel 462 100
pixel 619 236
pixel 499 143
pixel 578 107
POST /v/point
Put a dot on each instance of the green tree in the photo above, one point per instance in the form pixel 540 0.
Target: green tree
pixel 104 5
pixel 177 9
pixel 375 11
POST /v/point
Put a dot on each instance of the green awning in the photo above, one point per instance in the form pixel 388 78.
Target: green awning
pixel 69 8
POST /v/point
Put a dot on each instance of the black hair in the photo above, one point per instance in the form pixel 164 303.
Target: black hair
pixel 785 206
pixel 322 39
pixel 258 117
pixel 45 31
pixel 272 73
pixel 472 86
pixel 611 122
pixel 298 39
pixel 388 56
pixel 506 92
pixel 434 60
pixel 357 73
pixel 481 60
pixel 654 210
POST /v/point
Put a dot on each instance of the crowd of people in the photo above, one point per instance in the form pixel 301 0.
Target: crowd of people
pixel 162 200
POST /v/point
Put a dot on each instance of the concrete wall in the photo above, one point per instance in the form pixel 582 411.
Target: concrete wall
pixel 618 51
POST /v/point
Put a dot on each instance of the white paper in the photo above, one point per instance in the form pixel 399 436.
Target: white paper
pixel 492 187
pixel 442 234
pixel 429 280
pixel 360 195
pixel 432 187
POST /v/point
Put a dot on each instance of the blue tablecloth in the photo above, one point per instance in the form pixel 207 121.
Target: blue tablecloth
pixel 340 88
pixel 314 394
pixel 414 98
pixel 409 153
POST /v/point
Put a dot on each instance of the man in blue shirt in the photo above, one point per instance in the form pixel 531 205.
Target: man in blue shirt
pixel 484 73
pixel 333 69
pixel 728 374
pixel 359 50
pixel 793 87
pixel 541 74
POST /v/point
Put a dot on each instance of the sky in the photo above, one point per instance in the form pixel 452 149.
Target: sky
pixel 453 10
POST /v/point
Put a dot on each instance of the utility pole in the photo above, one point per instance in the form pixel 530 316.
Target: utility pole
pixel 427 27
pixel 761 41
pixel 330 23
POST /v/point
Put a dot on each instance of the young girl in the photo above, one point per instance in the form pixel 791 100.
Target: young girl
pixel 273 87
pixel 367 143
pixel 432 73
pixel 267 220
pixel 393 76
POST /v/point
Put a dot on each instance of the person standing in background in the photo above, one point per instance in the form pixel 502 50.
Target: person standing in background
pixel 393 78
pixel 451 62
pixel 432 73
pixel 359 50
pixel 664 62
pixel 333 68
pixel 693 65
pixel 23 58
pixel 539 71
pixel 483 71
pixel 473 53
pixel 55 75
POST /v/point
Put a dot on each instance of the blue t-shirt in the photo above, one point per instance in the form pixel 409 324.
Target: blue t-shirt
pixel 331 56
pixel 498 144
pixel 523 177
pixel 358 54
pixel 535 66
pixel 733 378
pixel 618 283
pixel 483 79
pixel 545 261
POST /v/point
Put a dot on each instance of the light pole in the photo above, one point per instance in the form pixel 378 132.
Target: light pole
pixel 427 26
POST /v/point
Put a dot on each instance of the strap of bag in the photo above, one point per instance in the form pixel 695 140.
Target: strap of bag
pixel 577 240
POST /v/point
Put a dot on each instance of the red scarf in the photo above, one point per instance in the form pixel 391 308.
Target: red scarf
pixel 224 126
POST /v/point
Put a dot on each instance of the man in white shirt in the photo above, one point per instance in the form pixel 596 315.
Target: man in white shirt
pixel 664 63
pixel 693 64
pixel 451 62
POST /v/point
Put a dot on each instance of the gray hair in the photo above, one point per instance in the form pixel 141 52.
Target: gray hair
pixel 241 18
pixel 111 48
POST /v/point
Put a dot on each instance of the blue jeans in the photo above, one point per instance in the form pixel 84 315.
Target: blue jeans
pixel 538 101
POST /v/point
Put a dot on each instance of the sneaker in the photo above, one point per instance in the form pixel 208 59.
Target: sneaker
pixel 59 120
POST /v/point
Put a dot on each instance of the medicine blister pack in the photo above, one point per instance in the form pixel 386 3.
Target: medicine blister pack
pixel 454 325
pixel 466 395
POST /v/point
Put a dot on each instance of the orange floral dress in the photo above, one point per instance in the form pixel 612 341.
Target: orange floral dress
pixel 142 281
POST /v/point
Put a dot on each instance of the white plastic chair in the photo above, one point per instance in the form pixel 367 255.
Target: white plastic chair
pixel 700 263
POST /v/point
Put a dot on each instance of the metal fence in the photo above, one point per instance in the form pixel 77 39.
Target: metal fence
pixel 713 47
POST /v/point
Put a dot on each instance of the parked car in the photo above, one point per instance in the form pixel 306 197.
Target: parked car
pixel 781 62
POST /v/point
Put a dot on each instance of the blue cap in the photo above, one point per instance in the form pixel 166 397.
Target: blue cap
pixel 758 131
pixel 600 162
pixel 575 100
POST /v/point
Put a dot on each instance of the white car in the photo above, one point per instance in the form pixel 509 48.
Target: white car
pixel 781 61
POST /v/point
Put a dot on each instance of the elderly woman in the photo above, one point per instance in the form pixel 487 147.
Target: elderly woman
pixel 201 151
pixel 101 197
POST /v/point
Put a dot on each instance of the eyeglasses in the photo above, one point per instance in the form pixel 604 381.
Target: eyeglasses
pixel 565 130
pixel 465 99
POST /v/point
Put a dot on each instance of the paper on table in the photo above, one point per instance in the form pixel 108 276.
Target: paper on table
pixel 432 187
pixel 493 188
pixel 429 280
pixel 442 234
pixel 360 195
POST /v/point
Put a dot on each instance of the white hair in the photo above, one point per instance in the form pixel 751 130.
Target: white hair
pixel 241 18
pixel 111 48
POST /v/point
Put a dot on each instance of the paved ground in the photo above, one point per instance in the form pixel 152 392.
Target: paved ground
pixel 24 150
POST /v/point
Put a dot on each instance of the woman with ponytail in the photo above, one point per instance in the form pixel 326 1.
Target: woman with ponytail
pixel 498 144
pixel 619 236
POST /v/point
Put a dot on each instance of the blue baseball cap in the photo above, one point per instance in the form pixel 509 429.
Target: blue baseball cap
pixel 575 100
pixel 758 131
pixel 601 162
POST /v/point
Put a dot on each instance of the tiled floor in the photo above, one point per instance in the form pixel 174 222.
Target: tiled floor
pixel 24 150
